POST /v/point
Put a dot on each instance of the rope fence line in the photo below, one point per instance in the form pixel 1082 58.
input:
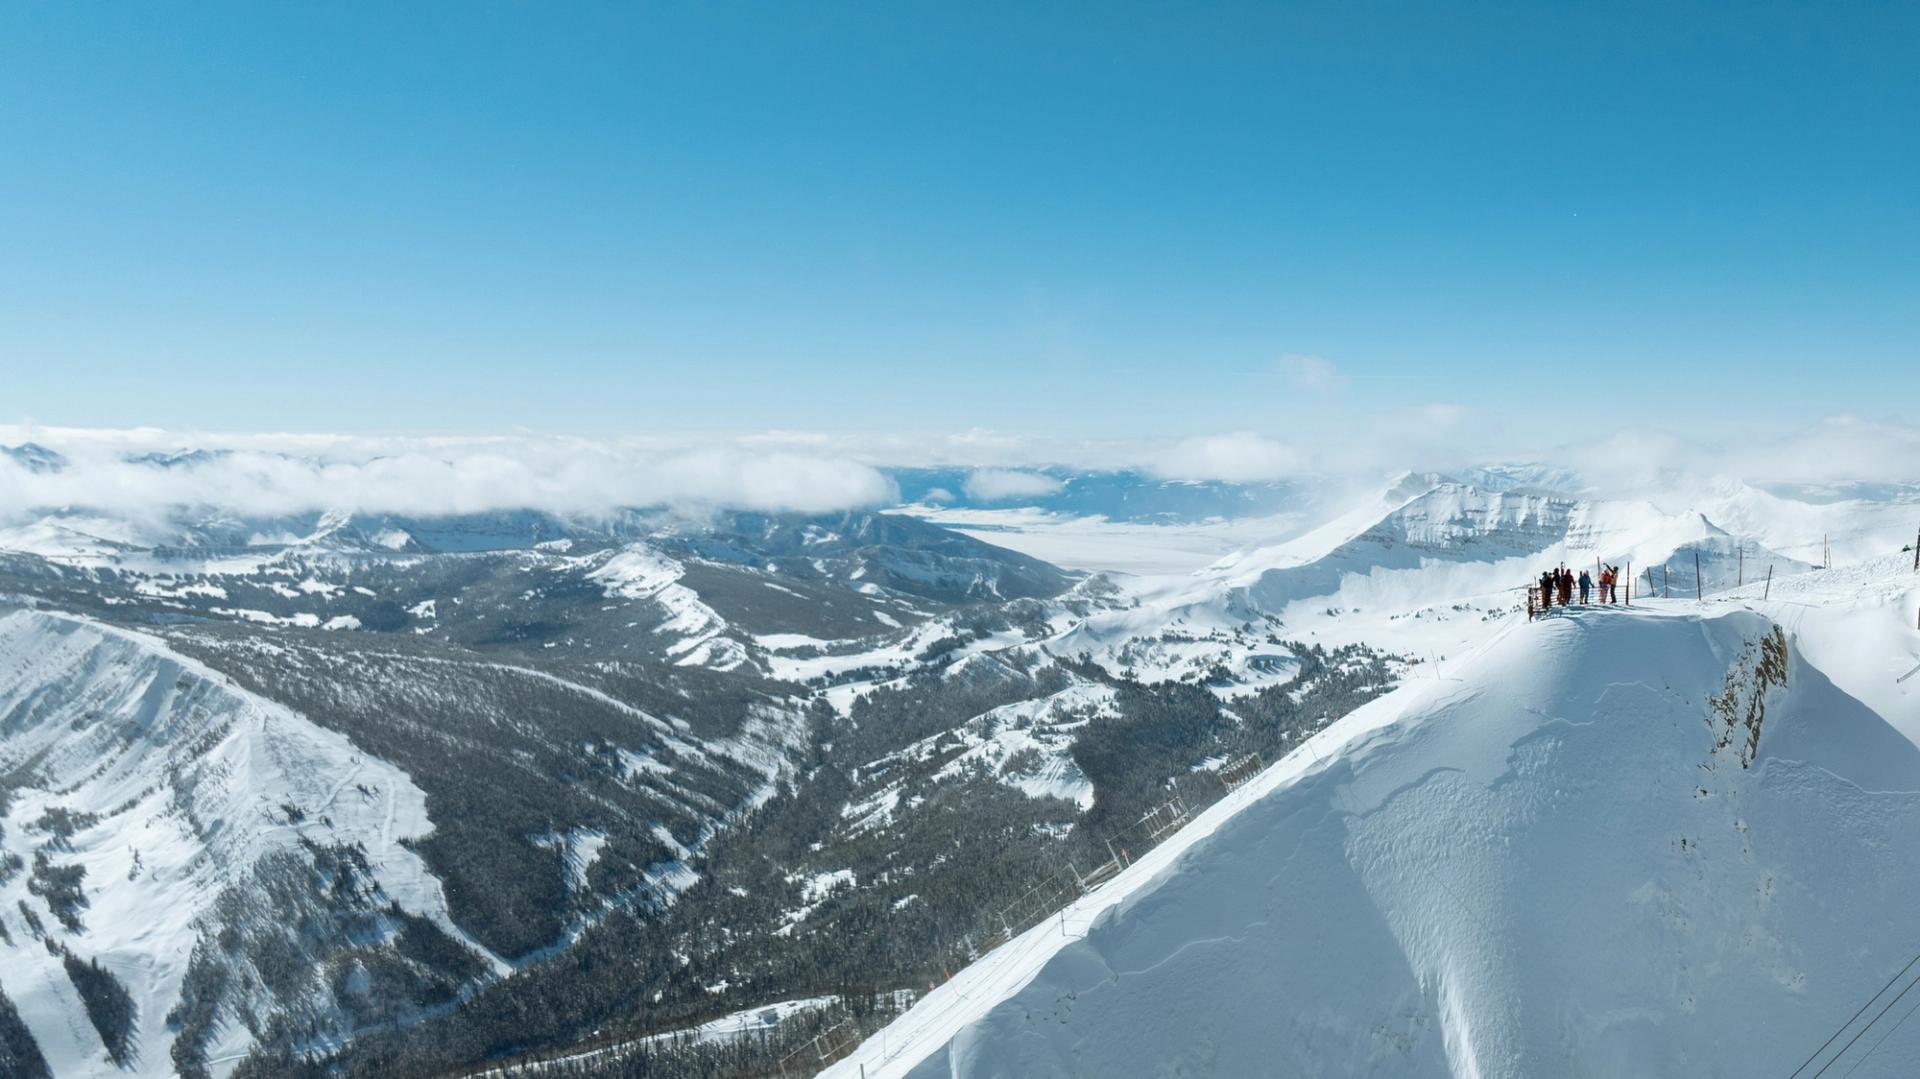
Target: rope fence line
pixel 831 1044
pixel 1238 773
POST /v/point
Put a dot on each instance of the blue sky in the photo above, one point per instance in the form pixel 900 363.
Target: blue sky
pixel 1105 220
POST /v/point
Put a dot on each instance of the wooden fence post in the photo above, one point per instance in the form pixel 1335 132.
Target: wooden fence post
pixel 1698 592
pixel 1769 589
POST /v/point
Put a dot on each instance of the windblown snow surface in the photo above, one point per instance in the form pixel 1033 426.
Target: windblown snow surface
pixel 1655 841
pixel 181 785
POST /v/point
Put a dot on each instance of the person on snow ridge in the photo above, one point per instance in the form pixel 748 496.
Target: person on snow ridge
pixel 1586 587
pixel 1546 590
pixel 1566 586
pixel 1608 576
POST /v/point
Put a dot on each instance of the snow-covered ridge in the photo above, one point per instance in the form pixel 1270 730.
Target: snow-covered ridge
pixel 1620 842
pixel 1458 523
pixel 1420 570
pixel 179 785
pixel 638 571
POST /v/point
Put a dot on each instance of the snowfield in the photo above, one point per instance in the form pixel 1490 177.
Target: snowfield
pixel 1615 842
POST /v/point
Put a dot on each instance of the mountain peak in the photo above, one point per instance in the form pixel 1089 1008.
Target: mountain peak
pixel 34 457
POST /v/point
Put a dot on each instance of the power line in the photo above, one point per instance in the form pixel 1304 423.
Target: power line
pixel 1876 1045
pixel 1876 1018
pixel 1856 1015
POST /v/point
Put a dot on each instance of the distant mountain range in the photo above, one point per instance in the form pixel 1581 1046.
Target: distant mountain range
pixel 333 792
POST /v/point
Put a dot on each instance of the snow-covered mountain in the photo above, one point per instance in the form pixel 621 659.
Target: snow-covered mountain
pixel 1420 568
pixel 439 760
pixel 34 457
pixel 1489 540
pixel 1647 841
pixel 652 771
pixel 1122 495
pixel 232 865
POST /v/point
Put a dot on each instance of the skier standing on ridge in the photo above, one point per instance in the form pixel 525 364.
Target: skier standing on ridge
pixel 1586 587
pixel 1546 589
pixel 1566 586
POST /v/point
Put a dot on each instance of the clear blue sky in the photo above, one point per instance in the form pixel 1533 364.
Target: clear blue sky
pixel 1104 219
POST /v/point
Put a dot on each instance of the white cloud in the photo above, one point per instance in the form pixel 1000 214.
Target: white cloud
pixel 1001 484
pixel 1241 457
pixel 1836 450
pixel 1311 372
pixel 271 475
pixel 1441 415
pixel 1843 448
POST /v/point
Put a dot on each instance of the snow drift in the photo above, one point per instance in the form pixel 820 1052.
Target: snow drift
pixel 1617 843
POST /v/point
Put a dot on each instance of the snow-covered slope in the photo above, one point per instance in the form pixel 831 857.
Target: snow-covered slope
pixel 190 809
pixel 1842 528
pixel 1620 842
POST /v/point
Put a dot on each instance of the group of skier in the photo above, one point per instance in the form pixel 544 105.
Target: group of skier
pixel 1562 582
